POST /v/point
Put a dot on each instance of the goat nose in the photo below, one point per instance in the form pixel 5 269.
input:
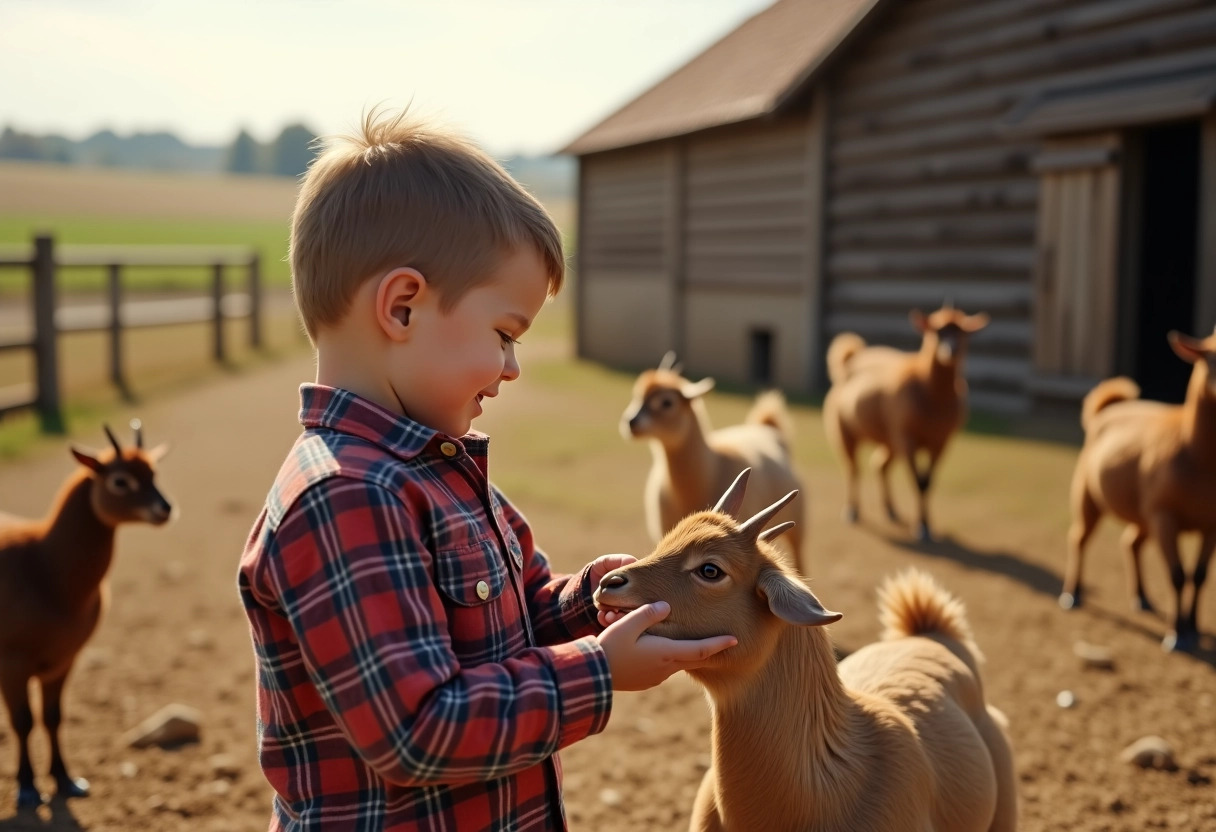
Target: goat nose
pixel 613 580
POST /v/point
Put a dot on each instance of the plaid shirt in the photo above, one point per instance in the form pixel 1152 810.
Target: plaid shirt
pixel 418 666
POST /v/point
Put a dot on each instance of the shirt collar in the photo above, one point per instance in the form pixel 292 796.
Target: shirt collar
pixel 345 412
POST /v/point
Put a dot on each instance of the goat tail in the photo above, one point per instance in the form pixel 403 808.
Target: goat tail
pixel 843 347
pixel 1119 389
pixel 914 603
pixel 770 410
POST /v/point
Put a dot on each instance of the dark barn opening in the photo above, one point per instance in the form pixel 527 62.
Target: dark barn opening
pixel 762 357
pixel 1169 212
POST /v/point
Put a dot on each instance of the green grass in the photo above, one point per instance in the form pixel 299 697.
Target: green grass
pixel 269 238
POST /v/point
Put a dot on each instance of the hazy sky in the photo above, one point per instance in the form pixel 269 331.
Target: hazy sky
pixel 518 75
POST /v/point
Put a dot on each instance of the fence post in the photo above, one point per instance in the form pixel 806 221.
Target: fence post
pixel 46 355
pixel 255 301
pixel 116 374
pixel 217 312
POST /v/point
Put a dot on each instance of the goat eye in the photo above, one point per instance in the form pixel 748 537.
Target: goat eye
pixel 121 483
pixel 709 572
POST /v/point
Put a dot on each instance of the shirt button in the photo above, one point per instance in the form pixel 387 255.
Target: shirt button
pixel 447 449
pixel 483 590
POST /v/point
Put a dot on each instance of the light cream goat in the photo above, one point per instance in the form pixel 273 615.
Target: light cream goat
pixel 1154 466
pixel 693 463
pixel 906 403
pixel 897 737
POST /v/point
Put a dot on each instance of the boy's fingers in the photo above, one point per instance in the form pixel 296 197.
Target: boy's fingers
pixel 694 652
pixel 635 622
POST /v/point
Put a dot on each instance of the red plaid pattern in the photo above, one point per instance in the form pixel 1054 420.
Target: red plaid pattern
pixel 418 665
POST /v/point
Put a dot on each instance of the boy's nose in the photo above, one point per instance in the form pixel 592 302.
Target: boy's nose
pixel 510 369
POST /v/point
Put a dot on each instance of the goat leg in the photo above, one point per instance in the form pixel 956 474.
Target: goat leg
pixel 1085 515
pixel 52 717
pixel 1165 532
pixel 15 688
pixel 923 481
pixel 1206 547
pixel 883 458
pixel 1133 541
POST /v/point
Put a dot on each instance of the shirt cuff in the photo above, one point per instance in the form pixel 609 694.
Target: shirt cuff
pixel 584 688
pixel 578 613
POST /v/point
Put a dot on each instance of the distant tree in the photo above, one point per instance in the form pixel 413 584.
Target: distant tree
pixel 243 155
pixel 14 145
pixel 292 151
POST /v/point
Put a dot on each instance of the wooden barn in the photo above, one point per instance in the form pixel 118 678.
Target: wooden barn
pixel 830 164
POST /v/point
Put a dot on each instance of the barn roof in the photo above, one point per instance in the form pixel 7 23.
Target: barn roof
pixel 749 73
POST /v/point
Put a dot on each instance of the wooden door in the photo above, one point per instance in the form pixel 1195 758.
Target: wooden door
pixel 1077 272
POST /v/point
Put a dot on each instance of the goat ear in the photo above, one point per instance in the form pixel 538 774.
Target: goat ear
pixel 87 460
pixel 1186 347
pixel 976 322
pixel 158 453
pixel 919 320
pixel 732 498
pixel 791 601
pixel 696 389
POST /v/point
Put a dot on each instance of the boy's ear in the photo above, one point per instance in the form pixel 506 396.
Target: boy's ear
pixel 398 292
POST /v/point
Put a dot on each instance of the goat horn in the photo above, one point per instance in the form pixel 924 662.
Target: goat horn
pixel 669 360
pixel 138 427
pixel 733 498
pixel 769 534
pixel 756 523
pixel 113 441
pixel 949 303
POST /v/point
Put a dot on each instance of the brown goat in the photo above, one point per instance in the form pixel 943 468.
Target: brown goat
pixel 895 737
pixel 906 403
pixel 694 463
pixel 1152 465
pixel 53 591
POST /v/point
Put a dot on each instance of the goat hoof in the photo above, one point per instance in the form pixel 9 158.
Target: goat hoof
pixel 850 515
pixel 28 797
pixel 73 787
pixel 924 535
pixel 892 515
pixel 1069 600
pixel 1142 604
pixel 1180 642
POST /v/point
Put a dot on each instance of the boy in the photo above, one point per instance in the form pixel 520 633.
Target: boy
pixel 418 665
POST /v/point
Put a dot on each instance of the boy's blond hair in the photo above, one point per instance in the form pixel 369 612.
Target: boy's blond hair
pixel 404 193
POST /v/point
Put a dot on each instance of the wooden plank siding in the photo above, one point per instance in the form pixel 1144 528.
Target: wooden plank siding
pixel 748 250
pixel 627 298
pixel 930 196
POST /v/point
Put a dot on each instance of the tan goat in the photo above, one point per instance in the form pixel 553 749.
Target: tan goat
pixel 53 591
pixel 694 463
pixel 897 737
pixel 1152 465
pixel 906 403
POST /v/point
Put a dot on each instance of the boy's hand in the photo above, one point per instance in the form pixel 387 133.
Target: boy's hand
pixel 639 661
pixel 600 567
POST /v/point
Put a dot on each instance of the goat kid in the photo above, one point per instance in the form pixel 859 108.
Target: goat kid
pixel 693 463
pixel 1152 465
pixel 53 591
pixel 908 404
pixel 897 737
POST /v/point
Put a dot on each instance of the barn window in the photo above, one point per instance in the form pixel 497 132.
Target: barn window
pixel 762 357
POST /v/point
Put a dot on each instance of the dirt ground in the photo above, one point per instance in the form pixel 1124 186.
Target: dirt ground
pixel 175 631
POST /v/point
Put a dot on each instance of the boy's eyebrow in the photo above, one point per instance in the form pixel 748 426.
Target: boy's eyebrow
pixel 523 320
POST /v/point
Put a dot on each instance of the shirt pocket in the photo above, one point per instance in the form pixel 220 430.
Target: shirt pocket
pixel 483 620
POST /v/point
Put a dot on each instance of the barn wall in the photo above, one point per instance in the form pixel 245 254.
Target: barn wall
pixel 929 197
pixel 626 258
pixel 750 256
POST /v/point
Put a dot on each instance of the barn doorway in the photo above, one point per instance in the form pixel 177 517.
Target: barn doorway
pixel 1164 256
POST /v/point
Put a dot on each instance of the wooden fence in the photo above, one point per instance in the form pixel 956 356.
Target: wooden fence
pixel 50 320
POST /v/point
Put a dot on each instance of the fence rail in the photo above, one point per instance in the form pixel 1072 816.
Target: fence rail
pixel 44 259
